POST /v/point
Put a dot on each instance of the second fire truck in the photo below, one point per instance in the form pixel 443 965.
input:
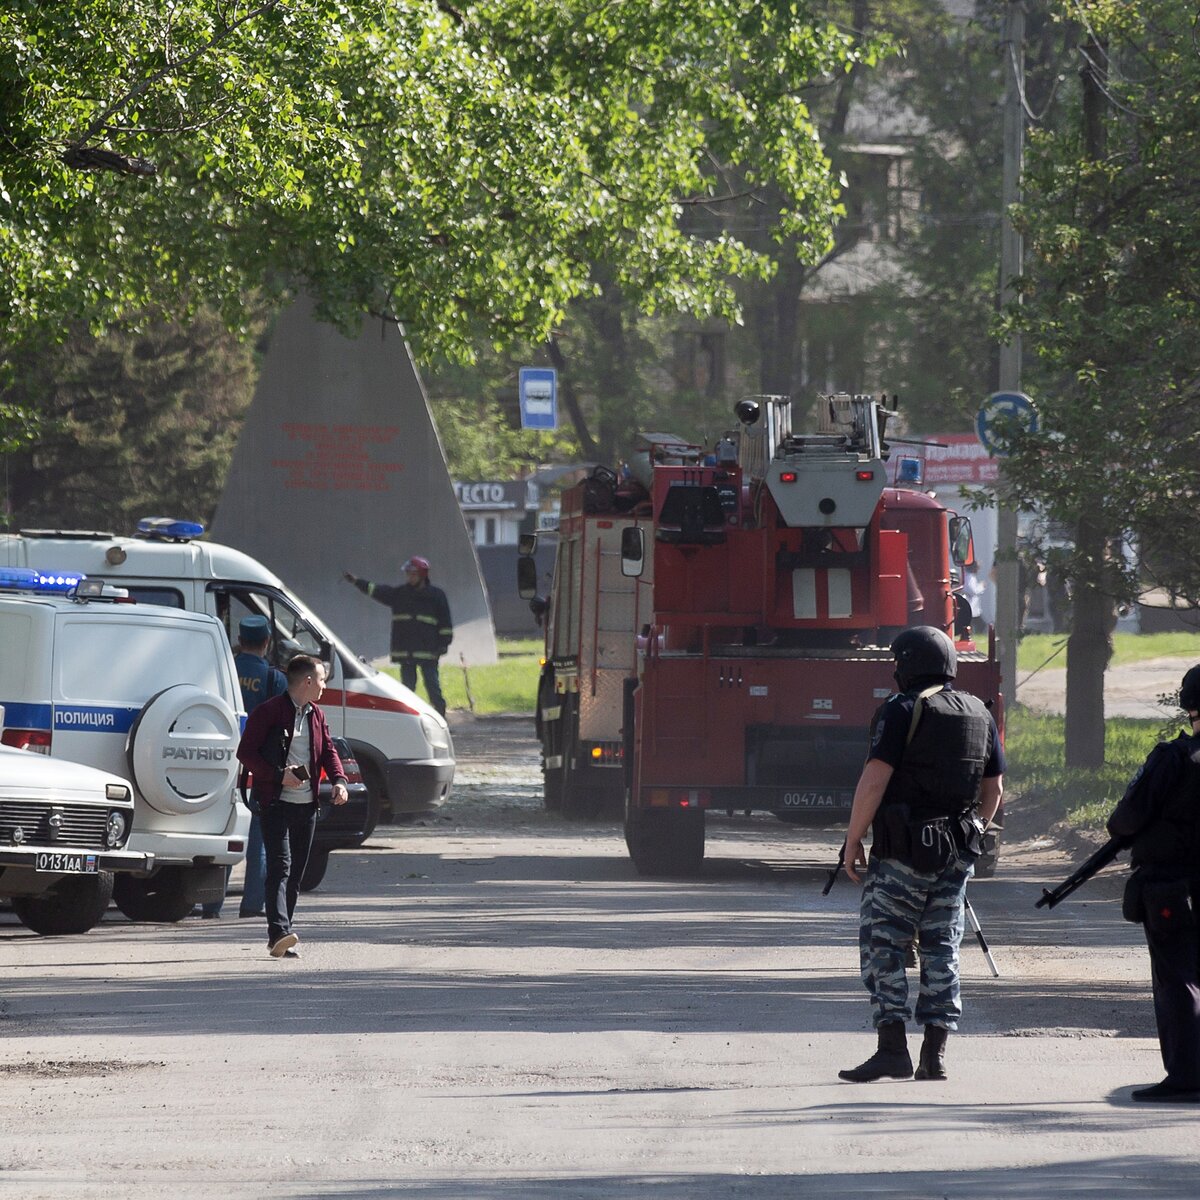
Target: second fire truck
pixel 718 628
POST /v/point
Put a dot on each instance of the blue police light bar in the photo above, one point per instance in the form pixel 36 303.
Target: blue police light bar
pixel 169 528
pixel 910 470
pixel 26 579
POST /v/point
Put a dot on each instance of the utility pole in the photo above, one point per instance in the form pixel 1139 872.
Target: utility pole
pixel 1011 254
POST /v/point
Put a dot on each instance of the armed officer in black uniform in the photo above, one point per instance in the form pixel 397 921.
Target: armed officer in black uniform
pixel 932 781
pixel 1160 816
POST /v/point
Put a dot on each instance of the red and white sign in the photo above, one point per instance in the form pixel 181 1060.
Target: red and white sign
pixel 960 459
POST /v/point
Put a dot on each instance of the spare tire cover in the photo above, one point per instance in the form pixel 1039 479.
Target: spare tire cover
pixel 183 749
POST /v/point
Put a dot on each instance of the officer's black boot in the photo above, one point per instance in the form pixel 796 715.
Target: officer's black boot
pixel 890 1061
pixel 932 1063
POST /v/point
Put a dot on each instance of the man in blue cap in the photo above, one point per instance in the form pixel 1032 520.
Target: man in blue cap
pixel 259 681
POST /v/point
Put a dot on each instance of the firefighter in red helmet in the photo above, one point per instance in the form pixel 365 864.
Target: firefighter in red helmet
pixel 421 625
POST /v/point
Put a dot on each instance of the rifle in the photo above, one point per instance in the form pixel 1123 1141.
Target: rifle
pixel 834 873
pixel 1097 862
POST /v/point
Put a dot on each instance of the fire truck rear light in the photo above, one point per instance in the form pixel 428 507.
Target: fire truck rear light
pixel 864 476
pixel 37 740
pixel 694 798
pixel 658 797
pixel 787 476
pixel 603 754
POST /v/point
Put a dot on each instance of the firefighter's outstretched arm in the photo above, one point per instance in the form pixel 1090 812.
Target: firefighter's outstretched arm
pixel 872 783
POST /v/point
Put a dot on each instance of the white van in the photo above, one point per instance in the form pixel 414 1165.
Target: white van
pixel 402 744
pixel 144 693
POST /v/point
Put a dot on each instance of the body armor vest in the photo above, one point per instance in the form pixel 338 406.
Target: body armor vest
pixel 943 763
pixel 1172 839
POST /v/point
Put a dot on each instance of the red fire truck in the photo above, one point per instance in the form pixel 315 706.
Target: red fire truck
pixel 783 566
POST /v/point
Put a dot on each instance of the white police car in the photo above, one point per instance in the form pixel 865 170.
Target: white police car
pixel 137 691
pixel 63 832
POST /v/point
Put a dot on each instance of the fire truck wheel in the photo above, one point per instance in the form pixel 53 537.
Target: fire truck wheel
pixel 550 733
pixel 579 801
pixel 552 788
pixel 665 841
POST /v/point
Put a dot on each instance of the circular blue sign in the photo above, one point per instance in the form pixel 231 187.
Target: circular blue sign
pixel 998 414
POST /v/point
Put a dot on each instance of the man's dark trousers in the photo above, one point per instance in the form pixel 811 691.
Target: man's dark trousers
pixel 287 831
pixel 1175 973
pixel 429 673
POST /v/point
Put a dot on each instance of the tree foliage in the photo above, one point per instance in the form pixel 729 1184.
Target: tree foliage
pixel 456 167
pixel 130 425
pixel 1111 310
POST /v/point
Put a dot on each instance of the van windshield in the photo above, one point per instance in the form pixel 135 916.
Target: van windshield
pixel 292 632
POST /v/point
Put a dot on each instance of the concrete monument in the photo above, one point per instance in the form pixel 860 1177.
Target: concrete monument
pixel 340 468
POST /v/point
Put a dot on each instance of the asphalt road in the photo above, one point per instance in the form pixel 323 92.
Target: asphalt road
pixel 492 1004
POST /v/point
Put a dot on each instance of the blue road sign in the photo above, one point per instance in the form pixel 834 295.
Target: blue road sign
pixel 997 416
pixel 538 389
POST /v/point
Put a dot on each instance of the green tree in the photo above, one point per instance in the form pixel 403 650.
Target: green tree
pixel 456 167
pixel 1111 310
pixel 130 425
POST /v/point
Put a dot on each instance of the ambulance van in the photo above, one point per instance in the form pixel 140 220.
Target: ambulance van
pixel 402 744
pixel 142 693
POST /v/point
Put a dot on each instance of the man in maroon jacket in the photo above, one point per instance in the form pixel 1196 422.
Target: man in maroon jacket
pixel 285 744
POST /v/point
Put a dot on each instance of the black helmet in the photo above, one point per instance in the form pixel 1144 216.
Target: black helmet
pixel 1189 691
pixel 924 652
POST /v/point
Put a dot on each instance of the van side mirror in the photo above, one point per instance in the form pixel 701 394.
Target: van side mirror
pixel 527 578
pixel 527 545
pixel 962 544
pixel 633 551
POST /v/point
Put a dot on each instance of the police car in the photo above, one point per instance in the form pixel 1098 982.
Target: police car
pixel 63 831
pixel 140 692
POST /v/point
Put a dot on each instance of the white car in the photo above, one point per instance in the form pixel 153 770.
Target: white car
pixel 63 831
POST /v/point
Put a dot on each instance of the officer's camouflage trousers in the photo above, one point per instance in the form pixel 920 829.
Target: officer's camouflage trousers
pixel 898 905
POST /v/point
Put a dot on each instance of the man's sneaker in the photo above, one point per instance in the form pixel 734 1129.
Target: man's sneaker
pixel 282 945
pixel 291 954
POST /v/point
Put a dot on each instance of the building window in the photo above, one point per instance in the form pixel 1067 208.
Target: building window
pixel 489 531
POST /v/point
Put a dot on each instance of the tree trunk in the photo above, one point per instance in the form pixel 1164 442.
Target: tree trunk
pixel 1089 649
pixel 566 387
pixel 777 328
pixel 1093 613
pixel 615 374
